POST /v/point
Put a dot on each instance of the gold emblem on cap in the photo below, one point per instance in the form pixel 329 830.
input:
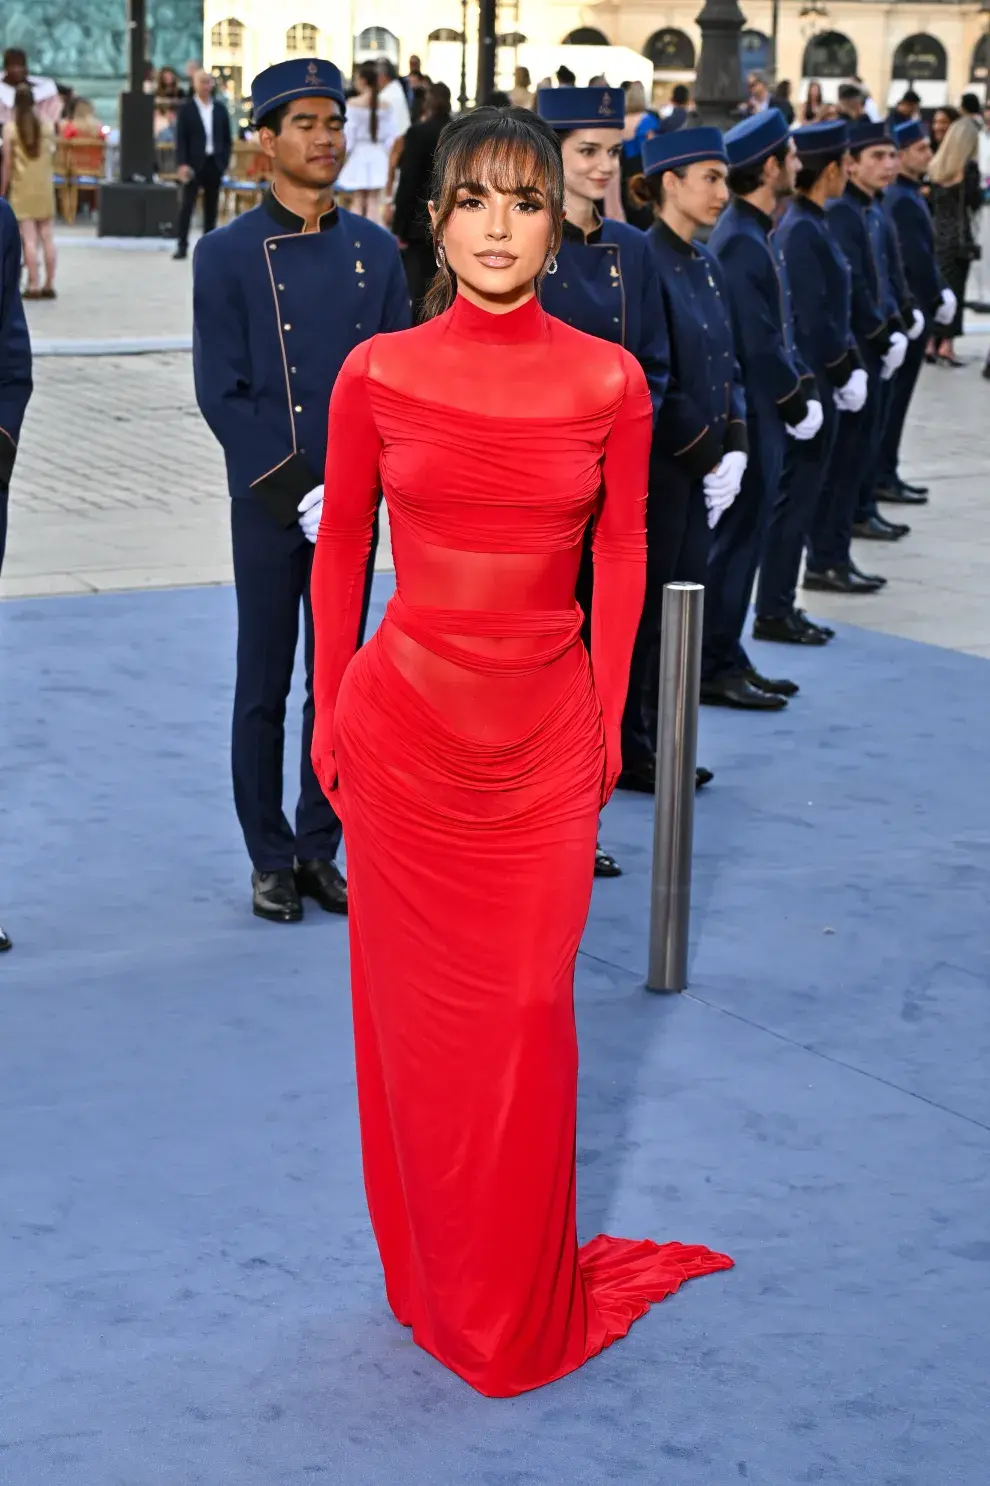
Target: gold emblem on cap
pixel 312 75
pixel 605 107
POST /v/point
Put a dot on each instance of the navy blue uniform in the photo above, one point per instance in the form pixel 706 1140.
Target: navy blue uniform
pixel 821 299
pixel 852 467
pixel 276 311
pixel 907 211
pixel 776 385
pixel 15 357
pixel 702 417
pixel 606 285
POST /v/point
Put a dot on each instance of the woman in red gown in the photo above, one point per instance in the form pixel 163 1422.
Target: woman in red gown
pixel 470 746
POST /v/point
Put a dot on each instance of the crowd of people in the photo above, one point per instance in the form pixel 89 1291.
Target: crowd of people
pixel 586 411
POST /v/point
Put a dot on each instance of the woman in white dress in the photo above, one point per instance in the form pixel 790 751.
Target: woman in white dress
pixel 369 132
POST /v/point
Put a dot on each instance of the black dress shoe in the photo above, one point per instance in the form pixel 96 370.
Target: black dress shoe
pixel 778 688
pixel 641 777
pixel 5 941
pixel 274 896
pixel 823 629
pixel 180 253
pixel 878 529
pixel 787 629
pixel 900 495
pixel 605 865
pixel 913 489
pixel 702 776
pixel 323 882
pixel 736 690
pixel 866 577
pixel 839 580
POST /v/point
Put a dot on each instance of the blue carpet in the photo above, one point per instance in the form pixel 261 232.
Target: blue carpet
pixel 189 1290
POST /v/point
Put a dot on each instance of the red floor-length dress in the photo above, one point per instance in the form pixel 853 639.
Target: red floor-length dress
pixel 472 743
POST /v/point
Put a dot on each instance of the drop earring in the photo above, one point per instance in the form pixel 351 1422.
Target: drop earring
pixel 441 258
pixel 552 265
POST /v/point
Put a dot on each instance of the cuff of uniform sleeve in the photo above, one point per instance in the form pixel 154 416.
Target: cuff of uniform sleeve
pixel 736 438
pixel 701 456
pixel 839 372
pixel 794 408
pixel 880 339
pixel 8 453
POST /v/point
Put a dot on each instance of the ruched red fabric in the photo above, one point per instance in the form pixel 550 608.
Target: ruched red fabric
pixel 469 746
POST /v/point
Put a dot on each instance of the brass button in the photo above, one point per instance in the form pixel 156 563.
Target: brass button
pixel 286 326
pixel 615 319
pixel 292 370
pixel 281 286
pixel 298 408
pixel 272 247
pixel 358 325
pixel 361 284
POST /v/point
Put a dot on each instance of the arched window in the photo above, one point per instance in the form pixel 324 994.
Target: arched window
pixel 754 51
pixel 670 51
pixel 376 41
pixel 979 71
pixel 302 40
pixel 228 35
pixel 585 36
pixel 920 58
pixel 830 55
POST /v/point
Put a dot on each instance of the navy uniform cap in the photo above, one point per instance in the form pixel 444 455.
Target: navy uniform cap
pixel 865 133
pixel 829 138
pixel 908 133
pixel 311 77
pixel 582 108
pixel 756 138
pixel 682 147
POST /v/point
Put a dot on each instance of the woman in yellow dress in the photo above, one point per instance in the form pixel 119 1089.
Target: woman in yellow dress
pixel 28 149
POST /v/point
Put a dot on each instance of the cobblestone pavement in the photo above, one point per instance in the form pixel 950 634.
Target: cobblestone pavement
pixel 119 483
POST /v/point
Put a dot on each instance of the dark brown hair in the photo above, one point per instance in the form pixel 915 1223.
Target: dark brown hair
pixel 647 190
pixel 26 121
pixel 509 150
pixel 368 73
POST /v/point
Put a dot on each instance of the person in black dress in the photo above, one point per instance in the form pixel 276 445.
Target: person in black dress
pixel 410 218
pixel 954 196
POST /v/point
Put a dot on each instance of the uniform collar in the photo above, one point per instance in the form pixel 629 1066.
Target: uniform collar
pixel 574 234
pixel 909 181
pixel 746 207
pixel 805 204
pixel 862 198
pixel 288 221
pixel 673 239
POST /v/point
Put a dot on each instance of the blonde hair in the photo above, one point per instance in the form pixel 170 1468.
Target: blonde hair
pixel 635 98
pixel 959 146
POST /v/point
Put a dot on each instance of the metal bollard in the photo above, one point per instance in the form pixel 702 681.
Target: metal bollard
pixel 673 821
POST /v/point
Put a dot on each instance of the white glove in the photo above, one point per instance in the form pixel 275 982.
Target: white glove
pixel 310 510
pixel 917 325
pixel 810 423
pixel 850 397
pixel 894 358
pixel 723 484
pixel 946 312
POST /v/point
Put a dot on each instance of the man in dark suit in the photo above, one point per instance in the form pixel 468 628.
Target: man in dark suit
pixel 410 218
pixel 202 154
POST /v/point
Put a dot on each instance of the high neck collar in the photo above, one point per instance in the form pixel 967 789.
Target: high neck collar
pixel 750 209
pixel 673 239
pixel 528 322
pixel 908 180
pixel 857 194
pixel 289 221
pixel 805 204
pixel 575 234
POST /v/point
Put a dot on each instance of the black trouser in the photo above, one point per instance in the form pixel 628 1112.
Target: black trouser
pixel 271 577
pixel 851 468
pixel 902 389
pixel 207 180
pixel 677 545
pixel 737 547
pixel 420 266
pixel 805 465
